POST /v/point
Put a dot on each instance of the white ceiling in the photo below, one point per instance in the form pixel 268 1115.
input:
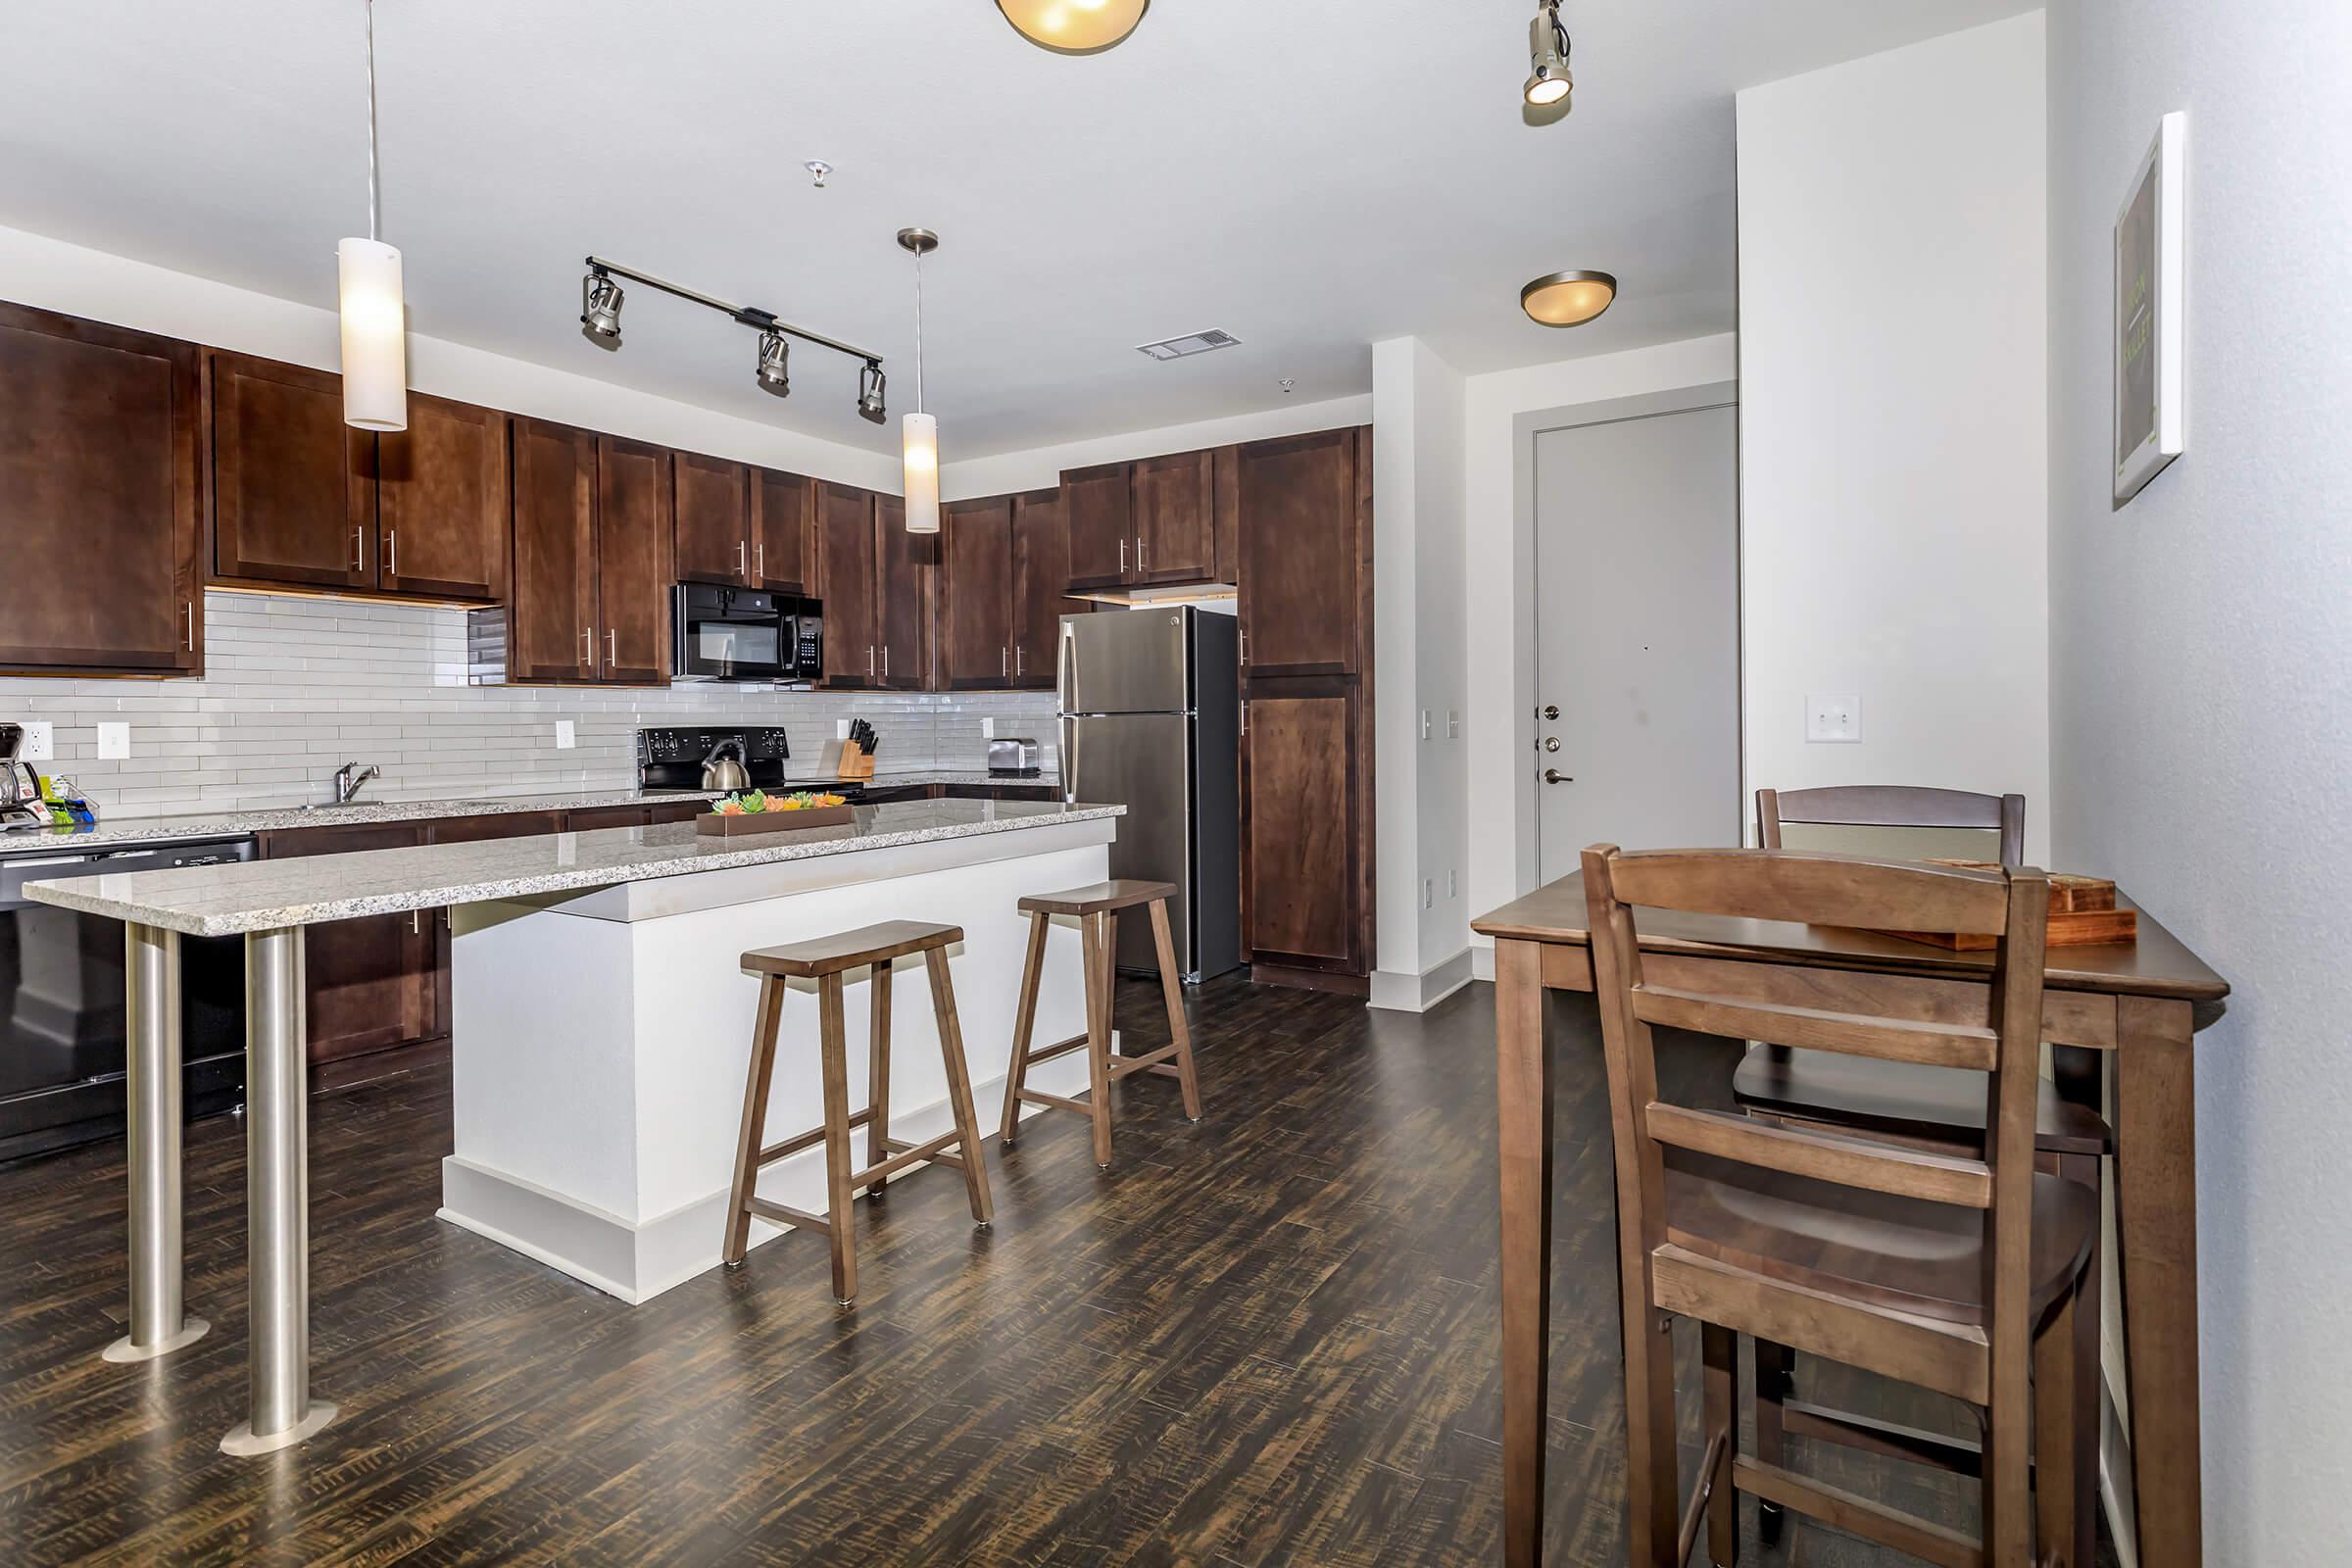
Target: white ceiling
pixel 1312 176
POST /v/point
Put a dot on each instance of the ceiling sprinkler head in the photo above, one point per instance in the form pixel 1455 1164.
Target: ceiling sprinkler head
pixel 1287 385
pixel 818 171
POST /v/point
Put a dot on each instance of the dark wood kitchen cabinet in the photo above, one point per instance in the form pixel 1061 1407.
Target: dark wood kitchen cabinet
pixel 905 576
pixel 1003 561
pixel 714 520
pixel 783 508
pixel 1099 510
pixel 1305 553
pixel 592 558
pixel 633 554
pixel 291 488
pixel 1305 816
pixel 845 582
pixel 551 616
pixel 372 982
pixel 443 504
pixel 100 496
pixel 1174 512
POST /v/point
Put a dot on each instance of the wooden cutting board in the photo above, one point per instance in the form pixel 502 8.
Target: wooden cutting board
pixel 2083 914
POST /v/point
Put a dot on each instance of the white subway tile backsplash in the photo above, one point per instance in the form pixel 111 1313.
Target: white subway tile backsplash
pixel 295 687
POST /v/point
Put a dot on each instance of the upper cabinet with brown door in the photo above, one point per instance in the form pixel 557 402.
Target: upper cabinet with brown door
pixel 714 519
pixel 99 498
pixel 443 503
pixel 633 554
pixel 1305 548
pixel 592 558
pixel 845 582
pixel 1003 561
pixel 1150 524
pixel 1099 510
pixel 291 487
pixel 905 575
pixel 300 499
pixel 1041 566
pixel 783 511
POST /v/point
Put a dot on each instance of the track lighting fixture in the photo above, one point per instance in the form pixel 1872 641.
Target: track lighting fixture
pixel 1074 26
pixel 600 310
pixel 600 325
pixel 1548 81
pixel 775 371
pixel 374 315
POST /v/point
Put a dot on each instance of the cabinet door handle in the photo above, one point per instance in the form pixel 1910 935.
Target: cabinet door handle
pixel 743 564
pixel 1122 554
pixel 1244 645
pixel 612 646
pixel 588 645
pixel 760 557
pixel 886 660
pixel 359 551
pixel 1018 653
pixel 870 662
pixel 189 608
pixel 1138 554
pixel 392 551
pixel 416 923
pixel 1003 663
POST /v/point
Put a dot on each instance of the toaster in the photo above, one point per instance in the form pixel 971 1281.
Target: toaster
pixel 1014 758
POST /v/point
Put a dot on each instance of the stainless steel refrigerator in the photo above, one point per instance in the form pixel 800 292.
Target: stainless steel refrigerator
pixel 1150 720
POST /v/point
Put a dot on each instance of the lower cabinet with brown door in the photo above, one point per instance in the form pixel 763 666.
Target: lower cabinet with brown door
pixel 1306 843
pixel 374 982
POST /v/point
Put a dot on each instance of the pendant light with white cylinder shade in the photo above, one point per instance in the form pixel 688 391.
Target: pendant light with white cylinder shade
pixel 375 366
pixel 921 431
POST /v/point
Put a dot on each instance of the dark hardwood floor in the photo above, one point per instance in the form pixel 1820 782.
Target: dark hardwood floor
pixel 1266 1340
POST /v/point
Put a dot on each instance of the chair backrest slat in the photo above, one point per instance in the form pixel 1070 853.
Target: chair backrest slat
pixel 1893 805
pixel 1814 889
pixel 1825 1156
pixel 1887 1039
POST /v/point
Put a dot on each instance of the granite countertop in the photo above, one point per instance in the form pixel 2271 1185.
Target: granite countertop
pixel 219 901
pixel 239 824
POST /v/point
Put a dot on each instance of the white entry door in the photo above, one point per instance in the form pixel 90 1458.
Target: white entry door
pixel 1636 635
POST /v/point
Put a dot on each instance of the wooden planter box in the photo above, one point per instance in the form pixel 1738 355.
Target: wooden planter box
pixel 712 825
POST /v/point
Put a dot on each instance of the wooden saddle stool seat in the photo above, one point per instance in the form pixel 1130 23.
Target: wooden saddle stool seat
pixel 829 962
pixel 1097 909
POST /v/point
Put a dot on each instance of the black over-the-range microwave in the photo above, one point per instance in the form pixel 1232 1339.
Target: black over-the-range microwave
pixel 743 634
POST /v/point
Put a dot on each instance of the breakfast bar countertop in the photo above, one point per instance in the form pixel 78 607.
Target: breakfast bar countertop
pixel 229 899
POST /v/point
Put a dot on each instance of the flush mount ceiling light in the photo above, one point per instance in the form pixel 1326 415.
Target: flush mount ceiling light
pixel 1548 81
pixel 600 325
pixel 775 368
pixel 1567 299
pixel 375 363
pixel 1074 26
pixel 920 441
pixel 600 311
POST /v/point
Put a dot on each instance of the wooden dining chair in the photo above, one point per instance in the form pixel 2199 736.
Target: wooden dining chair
pixel 1961 1274
pixel 1930 1107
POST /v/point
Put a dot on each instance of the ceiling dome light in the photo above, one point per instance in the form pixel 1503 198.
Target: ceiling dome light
pixel 775 370
pixel 872 383
pixel 1567 299
pixel 600 310
pixel 1548 81
pixel 1074 26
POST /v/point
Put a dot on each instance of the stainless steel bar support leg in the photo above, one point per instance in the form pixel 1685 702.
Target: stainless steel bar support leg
pixel 159 1322
pixel 277 1202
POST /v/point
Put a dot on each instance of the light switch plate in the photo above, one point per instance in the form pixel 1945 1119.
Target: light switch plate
pixel 1453 723
pixel 1834 720
pixel 988 729
pixel 39 743
pixel 565 737
pixel 1429 893
pixel 113 740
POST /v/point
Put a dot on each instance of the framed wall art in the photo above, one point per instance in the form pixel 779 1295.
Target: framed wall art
pixel 2151 362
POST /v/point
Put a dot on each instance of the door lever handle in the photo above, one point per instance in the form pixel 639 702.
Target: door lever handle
pixel 1552 776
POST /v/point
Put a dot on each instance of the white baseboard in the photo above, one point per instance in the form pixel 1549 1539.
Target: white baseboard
pixel 1482 958
pixel 1396 991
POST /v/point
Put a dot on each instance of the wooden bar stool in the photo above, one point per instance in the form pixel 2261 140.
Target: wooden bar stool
pixel 827 960
pixel 1097 910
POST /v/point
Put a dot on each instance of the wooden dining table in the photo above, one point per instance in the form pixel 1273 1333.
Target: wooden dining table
pixel 2135 1007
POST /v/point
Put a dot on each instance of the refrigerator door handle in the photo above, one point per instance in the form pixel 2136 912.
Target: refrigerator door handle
pixel 1069 760
pixel 1067 677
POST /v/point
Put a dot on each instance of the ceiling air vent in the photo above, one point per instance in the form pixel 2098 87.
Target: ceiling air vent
pixel 1177 348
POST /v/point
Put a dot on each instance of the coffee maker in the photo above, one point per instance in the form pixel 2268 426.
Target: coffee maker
pixel 19 786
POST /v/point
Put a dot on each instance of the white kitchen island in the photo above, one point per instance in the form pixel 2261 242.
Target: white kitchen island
pixel 601 1034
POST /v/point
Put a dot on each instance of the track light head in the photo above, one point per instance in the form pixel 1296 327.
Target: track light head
pixel 872 387
pixel 1549 82
pixel 600 310
pixel 775 371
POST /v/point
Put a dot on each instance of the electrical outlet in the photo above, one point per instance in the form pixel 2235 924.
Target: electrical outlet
pixel 1453 723
pixel 1453 886
pixel 39 743
pixel 1836 719
pixel 841 729
pixel 1429 893
pixel 565 737
pixel 114 741
pixel 988 729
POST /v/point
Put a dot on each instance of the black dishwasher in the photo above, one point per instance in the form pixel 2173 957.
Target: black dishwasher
pixel 63 1020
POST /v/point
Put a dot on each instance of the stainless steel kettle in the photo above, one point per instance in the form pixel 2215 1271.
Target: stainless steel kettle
pixel 723 772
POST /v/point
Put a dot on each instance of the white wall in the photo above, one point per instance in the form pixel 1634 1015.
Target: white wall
pixel 1420 666
pixel 1039 467
pixel 1499 591
pixel 2201 685
pixel 37 270
pixel 1892 381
